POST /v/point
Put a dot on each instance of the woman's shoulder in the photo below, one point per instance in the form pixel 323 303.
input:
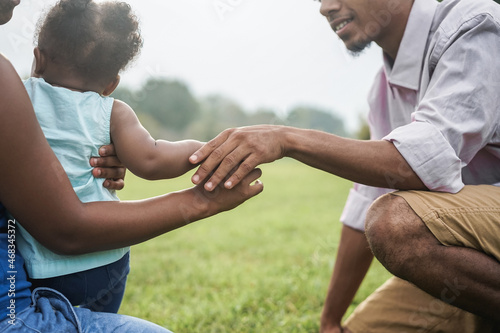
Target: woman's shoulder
pixel 3 58
pixel 8 75
pixel 5 65
pixel 11 85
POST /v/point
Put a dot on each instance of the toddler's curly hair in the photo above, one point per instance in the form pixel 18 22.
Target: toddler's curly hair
pixel 96 40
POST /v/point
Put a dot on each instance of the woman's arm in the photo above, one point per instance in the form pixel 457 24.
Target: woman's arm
pixel 141 154
pixel 35 189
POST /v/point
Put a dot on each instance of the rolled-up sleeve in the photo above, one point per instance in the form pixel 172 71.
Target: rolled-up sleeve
pixel 458 112
pixel 359 200
pixel 430 155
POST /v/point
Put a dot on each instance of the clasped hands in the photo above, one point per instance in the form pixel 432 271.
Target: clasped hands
pixel 234 154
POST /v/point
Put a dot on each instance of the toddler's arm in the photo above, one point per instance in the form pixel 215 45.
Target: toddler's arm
pixel 141 154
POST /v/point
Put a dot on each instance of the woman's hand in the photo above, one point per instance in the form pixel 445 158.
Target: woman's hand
pixel 221 199
pixel 108 166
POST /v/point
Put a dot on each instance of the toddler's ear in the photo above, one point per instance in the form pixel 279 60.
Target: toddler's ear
pixel 111 86
pixel 39 63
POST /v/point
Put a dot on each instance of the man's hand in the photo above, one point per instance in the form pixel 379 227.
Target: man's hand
pixel 239 150
pixel 333 329
pixel 110 167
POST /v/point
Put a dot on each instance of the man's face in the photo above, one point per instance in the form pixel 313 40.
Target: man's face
pixel 6 10
pixel 359 22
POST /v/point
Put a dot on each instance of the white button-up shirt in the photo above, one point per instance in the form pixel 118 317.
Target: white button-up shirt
pixel 439 104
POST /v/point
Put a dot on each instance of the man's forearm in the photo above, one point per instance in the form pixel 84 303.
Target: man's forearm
pixel 353 260
pixel 374 163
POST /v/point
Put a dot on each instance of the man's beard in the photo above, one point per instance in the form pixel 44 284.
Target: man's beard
pixel 357 49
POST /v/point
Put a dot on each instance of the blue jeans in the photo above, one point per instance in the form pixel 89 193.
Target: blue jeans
pixel 99 289
pixel 51 312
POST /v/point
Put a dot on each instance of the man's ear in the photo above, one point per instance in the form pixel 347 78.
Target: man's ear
pixel 39 63
pixel 111 86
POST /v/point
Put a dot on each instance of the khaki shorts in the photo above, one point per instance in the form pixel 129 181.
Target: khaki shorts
pixel 470 218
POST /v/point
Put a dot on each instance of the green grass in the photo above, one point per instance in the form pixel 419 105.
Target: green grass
pixel 263 267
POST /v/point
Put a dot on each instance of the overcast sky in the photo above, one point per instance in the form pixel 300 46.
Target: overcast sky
pixel 260 53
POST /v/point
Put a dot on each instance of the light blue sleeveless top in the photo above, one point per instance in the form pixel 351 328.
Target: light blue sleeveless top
pixel 76 125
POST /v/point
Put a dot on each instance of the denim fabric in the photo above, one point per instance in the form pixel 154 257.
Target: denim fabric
pixel 99 289
pixel 51 312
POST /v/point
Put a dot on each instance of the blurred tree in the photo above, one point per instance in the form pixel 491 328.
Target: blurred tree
pixel 168 102
pixel 134 99
pixel 363 132
pixel 216 114
pixel 264 116
pixel 126 95
pixel 169 111
pixel 314 118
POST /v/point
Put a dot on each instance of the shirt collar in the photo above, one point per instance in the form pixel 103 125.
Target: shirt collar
pixel 408 64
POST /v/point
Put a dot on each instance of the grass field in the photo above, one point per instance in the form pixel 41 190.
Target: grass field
pixel 263 267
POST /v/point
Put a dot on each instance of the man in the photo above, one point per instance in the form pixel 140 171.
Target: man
pixel 434 118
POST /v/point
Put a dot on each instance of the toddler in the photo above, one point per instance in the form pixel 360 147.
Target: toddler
pixel 82 46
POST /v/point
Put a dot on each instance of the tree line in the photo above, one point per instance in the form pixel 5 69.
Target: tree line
pixel 169 110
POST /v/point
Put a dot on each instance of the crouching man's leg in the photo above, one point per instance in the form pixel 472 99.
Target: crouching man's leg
pixel 446 244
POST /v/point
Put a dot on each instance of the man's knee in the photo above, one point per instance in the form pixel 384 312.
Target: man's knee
pixel 383 220
pixel 392 229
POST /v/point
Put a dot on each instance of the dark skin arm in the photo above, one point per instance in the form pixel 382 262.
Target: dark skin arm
pixel 374 163
pixel 143 155
pixel 135 149
pixel 35 189
pixel 353 261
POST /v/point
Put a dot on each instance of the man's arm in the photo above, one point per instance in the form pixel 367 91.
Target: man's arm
pixel 353 261
pixel 374 163
pixel 36 190
pixel 141 154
